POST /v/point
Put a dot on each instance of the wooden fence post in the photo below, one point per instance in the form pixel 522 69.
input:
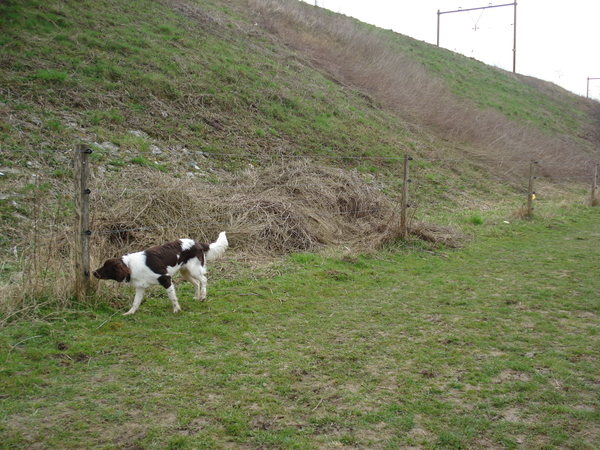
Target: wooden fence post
pixel 530 191
pixel 404 209
pixel 595 185
pixel 82 222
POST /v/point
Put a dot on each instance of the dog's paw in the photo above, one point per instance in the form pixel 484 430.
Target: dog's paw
pixel 177 309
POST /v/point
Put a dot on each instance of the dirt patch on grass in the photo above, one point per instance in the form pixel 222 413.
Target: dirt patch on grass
pixel 439 235
pixel 512 376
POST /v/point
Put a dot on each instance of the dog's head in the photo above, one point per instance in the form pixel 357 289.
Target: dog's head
pixel 113 269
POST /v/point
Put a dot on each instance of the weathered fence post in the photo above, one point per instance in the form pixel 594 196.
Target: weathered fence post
pixel 595 185
pixel 82 222
pixel 530 191
pixel 404 209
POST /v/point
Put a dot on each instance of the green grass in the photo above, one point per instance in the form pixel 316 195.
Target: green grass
pixel 491 346
pixel 494 345
pixel 112 66
pixel 521 99
pixel 476 219
pixel 146 66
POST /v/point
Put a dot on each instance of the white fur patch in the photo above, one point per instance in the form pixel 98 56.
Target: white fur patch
pixel 186 243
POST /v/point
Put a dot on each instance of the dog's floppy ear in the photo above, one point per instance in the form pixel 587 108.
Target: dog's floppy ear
pixel 113 269
pixel 121 270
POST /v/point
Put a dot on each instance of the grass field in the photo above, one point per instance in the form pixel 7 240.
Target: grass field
pixel 493 346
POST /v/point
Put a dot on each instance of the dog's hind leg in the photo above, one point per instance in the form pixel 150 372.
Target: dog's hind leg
pixel 137 301
pixel 189 277
pixel 203 282
pixel 195 273
pixel 199 284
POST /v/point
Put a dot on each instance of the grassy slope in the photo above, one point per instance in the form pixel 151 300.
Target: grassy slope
pixel 201 82
pixel 204 76
pixel 398 350
pixel 201 75
pixel 460 99
pixel 523 99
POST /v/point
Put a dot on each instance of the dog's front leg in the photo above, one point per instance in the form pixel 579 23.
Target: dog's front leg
pixel 173 297
pixel 137 301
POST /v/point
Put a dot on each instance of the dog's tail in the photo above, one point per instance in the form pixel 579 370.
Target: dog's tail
pixel 216 249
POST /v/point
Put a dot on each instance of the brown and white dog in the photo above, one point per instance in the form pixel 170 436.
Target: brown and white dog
pixel 157 265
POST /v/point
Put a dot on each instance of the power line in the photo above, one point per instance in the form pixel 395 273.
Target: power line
pixel 440 13
pixel 588 86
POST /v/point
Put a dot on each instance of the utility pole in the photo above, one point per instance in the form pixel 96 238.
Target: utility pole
pixel 515 41
pixel 588 86
pixel 439 13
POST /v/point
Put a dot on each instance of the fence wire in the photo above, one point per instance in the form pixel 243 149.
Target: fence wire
pixel 54 236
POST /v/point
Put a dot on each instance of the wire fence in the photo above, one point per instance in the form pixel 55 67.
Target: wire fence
pixel 62 218
pixel 38 189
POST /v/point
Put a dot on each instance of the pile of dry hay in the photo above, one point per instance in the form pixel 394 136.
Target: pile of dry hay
pixel 279 209
pixel 275 210
pixel 438 235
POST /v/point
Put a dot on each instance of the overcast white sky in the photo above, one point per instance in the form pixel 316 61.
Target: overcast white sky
pixel 557 40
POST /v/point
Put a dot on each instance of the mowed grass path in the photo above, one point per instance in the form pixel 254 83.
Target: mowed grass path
pixel 492 346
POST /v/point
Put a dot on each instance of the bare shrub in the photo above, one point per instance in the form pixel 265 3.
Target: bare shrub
pixel 520 213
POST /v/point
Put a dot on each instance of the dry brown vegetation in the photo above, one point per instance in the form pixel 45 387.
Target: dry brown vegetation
pixel 267 212
pixel 279 209
pixel 273 211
